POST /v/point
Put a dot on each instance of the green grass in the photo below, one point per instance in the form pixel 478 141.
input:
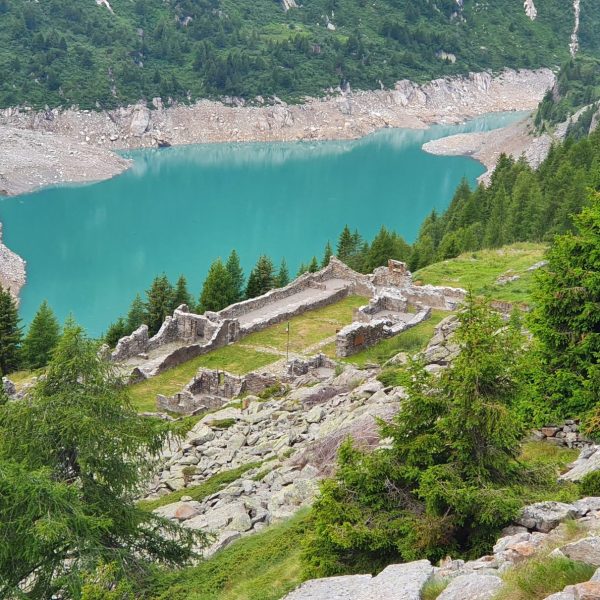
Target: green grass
pixel 410 341
pixel 433 588
pixel 198 492
pixel 309 328
pixel 479 271
pixel 537 578
pixel 233 358
pixel 558 456
pixel 264 566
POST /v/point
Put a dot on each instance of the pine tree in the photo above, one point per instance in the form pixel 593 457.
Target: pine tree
pixel 302 269
pixel 137 314
pixel 159 300
pixel 313 265
pixel 217 290
pixel 283 275
pixel 181 294
pixel 10 333
pixel 237 277
pixel 327 254
pixel 41 338
pixel 262 278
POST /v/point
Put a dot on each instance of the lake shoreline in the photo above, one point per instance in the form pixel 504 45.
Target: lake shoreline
pixel 54 147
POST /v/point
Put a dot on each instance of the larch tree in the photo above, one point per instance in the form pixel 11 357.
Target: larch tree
pixel 283 275
pixel 74 457
pixel 181 295
pixel 137 314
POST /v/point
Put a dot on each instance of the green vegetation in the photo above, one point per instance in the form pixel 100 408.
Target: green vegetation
pixel 410 341
pixel 72 457
pixel 590 484
pixel 41 338
pixel 61 54
pixel 234 358
pixel 264 566
pixel 433 588
pixel 478 271
pixel 565 323
pixel 578 85
pixel 309 328
pixel 451 478
pixel 537 578
pixel 10 333
pixel 198 492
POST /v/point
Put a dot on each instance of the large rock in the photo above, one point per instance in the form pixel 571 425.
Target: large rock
pixel 396 582
pixel 474 586
pixel 588 461
pixel 180 511
pixel 140 120
pixel 201 434
pixel 586 550
pixel 400 582
pixel 545 516
pixel 230 517
pixel 588 590
pixel 349 587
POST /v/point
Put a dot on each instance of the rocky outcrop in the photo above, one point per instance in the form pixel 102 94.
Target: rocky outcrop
pixel 12 268
pixel 588 462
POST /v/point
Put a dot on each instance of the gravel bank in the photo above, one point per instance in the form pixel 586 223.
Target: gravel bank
pixel 12 269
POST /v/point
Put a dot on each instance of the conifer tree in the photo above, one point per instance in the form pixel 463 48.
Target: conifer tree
pixel 302 269
pixel 346 244
pixel 237 277
pixel 283 275
pixel 41 338
pixel 115 332
pixel 73 458
pixel 327 254
pixel 10 333
pixel 137 314
pixel 565 321
pixel 261 279
pixel 313 265
pixel 181 294
pixel 159 301
pixel 217 290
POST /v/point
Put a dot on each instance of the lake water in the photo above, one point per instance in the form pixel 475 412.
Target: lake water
pixel 90 248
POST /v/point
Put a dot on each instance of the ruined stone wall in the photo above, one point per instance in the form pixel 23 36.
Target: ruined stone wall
pixel 298 310
pixel 241 308
pixel 360 336
pixel 187 404
pixel 445 298
pixel 297 366
pixel 131 345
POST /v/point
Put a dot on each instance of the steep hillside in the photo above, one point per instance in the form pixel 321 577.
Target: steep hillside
pixel 101 54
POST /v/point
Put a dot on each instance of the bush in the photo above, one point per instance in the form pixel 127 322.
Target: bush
pixel 590 484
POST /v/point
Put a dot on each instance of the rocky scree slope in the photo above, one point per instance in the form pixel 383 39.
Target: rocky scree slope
pixel 295 439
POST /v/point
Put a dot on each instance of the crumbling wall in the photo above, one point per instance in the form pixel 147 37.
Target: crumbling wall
pixel 297 366
pixel 360 336
pixel 300 309
pixel 131 345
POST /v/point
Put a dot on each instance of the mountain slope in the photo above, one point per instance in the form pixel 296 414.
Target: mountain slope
pixel 101 54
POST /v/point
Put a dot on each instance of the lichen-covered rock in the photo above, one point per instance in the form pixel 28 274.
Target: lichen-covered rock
pixel 474 586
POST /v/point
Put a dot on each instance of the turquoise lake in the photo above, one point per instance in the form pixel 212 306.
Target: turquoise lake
pixel 90 248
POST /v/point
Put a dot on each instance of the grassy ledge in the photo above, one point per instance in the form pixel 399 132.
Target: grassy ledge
pixel 479 271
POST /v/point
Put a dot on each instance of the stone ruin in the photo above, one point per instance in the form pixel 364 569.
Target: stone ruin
pixel 395 299
pixel 212 388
